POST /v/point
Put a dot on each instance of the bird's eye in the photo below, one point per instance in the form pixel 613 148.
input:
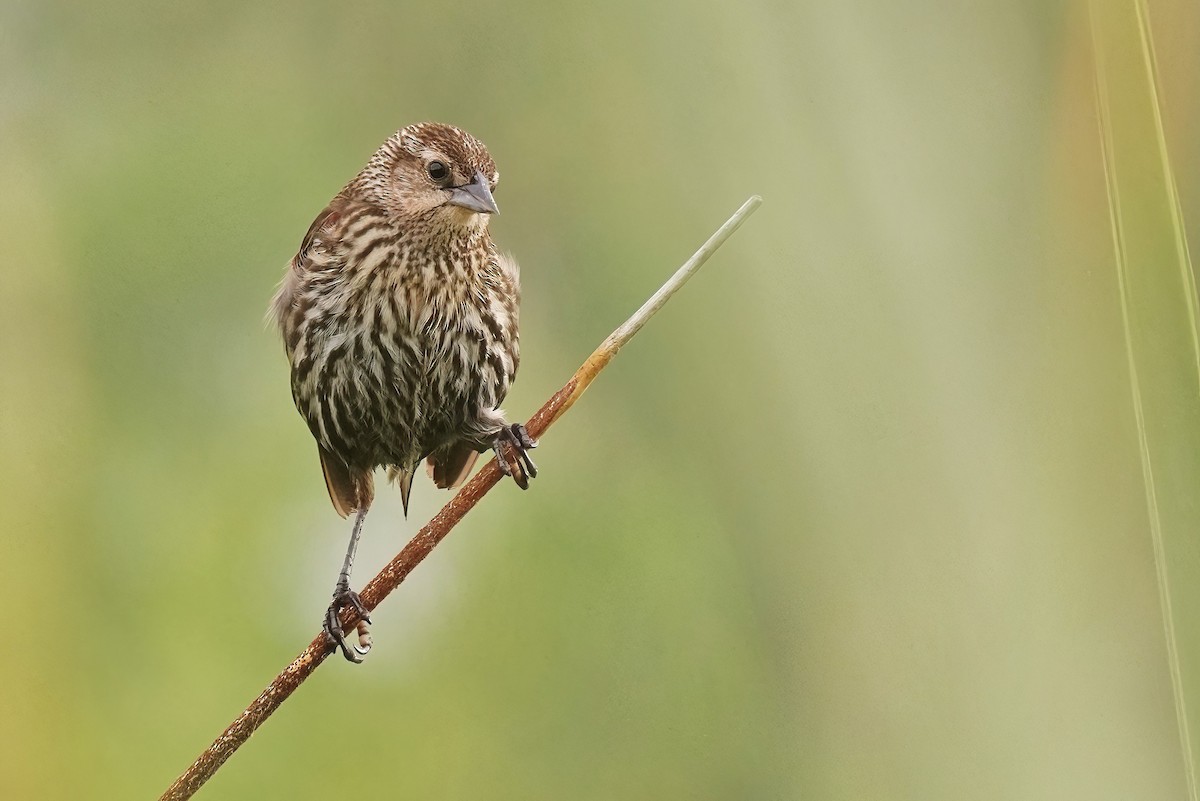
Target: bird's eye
pixel 438 171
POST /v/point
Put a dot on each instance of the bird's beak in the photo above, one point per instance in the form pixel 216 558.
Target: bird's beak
pixel 474 196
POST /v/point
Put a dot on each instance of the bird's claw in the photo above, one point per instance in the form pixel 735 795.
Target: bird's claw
pixel 518 438
pixel 346 598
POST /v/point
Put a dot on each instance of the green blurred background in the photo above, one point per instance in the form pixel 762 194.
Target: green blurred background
pixel 860 515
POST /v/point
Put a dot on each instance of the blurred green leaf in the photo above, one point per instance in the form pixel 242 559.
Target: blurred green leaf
pixel 1159 302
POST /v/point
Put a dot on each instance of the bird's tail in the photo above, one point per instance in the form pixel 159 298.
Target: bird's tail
pixel 402 479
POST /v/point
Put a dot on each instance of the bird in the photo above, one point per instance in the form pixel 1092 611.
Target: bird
pixel 399 318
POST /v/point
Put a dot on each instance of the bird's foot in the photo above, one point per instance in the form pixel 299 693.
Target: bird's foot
pixel 516 437
pixel 346 598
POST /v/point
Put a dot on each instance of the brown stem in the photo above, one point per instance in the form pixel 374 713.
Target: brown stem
pixel 436 529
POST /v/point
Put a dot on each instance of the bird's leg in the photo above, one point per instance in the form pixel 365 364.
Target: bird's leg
pixel 516 436
pixel 344 597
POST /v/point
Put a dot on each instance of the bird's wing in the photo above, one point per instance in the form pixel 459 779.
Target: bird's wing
pixel 348 490
pixel 510 296
pixel 448 466
pixel 285 305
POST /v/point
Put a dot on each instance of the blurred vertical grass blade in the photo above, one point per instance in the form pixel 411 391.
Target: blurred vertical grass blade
pixel 1159 305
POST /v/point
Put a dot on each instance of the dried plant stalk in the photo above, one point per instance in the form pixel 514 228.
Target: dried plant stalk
pixel 436 530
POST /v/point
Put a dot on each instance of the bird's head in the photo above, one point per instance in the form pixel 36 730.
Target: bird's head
pixel 433 172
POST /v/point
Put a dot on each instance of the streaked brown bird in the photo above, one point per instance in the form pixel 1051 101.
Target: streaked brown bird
pixel 399 318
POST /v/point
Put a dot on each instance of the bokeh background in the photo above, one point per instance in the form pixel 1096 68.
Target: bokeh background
pixel 860 515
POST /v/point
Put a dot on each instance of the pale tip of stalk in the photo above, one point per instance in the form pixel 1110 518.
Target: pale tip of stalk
pixel 634 324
